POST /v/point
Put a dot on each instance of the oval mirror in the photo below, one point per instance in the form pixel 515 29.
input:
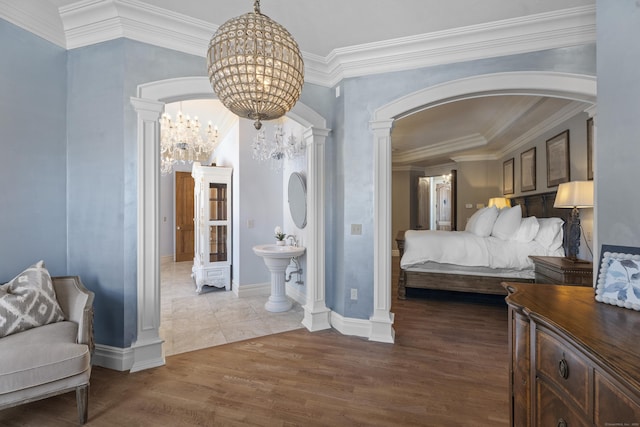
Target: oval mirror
pixel 298 199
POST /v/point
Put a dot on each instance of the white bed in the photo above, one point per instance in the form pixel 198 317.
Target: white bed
pixel 495 247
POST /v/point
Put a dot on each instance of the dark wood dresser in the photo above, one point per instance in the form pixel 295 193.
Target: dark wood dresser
pixel 561 271
pixel 574 361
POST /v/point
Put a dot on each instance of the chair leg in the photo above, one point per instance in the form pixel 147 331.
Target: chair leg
pixel 82 400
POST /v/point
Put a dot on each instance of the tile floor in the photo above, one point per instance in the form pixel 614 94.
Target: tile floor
pixel 190 321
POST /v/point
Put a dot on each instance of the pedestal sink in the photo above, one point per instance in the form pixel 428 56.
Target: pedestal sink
pixel 277 258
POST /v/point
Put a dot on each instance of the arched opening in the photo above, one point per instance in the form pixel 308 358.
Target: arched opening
pixel 149 103
pixel 551 84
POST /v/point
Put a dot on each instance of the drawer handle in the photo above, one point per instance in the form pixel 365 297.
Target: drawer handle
pixel 563 369
pixel 562 423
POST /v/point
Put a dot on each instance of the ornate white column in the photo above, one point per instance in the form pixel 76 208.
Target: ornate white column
pixel 316 314
pixel 382 319
pixel 147 349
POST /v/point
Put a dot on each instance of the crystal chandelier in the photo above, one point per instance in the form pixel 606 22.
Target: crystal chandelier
pixel 255 67
pixel 181 141
pixel 279 148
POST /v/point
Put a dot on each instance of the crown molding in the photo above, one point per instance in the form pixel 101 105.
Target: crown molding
pixel 93 21
pixel 567 112
pixel 563 28
pixel 475 158
pixel 41 19
pixel 441 148
pixel 87 22
pixel 407 168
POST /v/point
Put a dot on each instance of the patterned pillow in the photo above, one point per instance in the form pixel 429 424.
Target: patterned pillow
pixel 28 301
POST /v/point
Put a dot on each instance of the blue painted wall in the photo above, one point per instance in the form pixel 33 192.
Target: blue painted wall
pixel 102 188
pixel 33 163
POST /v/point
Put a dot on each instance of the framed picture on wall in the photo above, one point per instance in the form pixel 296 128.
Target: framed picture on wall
pixel 528 170
pixel 558 159
pixel 507 177
pixel 590 148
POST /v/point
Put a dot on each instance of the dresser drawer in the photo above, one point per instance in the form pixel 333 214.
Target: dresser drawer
pixel 614 405
pixel 552 410
pixel 564 367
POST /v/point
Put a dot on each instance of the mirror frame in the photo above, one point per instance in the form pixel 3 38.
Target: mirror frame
pixel 297 199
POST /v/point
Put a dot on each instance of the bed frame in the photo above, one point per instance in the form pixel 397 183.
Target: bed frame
pixel 538 205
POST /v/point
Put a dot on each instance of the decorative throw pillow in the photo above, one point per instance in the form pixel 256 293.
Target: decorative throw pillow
pixel 507 222
pixel 481 222
pixel 28 301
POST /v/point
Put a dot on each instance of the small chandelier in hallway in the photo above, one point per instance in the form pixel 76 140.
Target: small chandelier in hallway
pixel 278 148
pixel 182 141
pixel 255 67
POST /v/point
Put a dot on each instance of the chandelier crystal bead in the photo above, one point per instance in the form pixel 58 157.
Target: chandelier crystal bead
pixel 255 67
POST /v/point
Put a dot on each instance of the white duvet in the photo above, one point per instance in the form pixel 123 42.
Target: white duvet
pixel 468 249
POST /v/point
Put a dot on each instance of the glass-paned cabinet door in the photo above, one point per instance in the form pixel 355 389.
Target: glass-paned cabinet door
pixel 217 201
pixel 217 243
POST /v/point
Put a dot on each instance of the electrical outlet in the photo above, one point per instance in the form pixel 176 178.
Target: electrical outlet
pixel 354 294
pixel 356 229
pixel 250 223
pixel 468 206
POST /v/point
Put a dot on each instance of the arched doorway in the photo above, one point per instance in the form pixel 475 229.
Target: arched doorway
pixel 559 85
pixel 149 103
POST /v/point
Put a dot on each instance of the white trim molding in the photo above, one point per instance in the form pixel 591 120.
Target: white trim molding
pixel 149 103
pixel 89 22
pixel 382 318
pixel 118 359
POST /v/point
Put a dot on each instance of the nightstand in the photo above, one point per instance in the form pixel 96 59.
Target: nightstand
pixel 561 271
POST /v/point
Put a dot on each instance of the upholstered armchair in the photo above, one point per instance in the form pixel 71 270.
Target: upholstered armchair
pixel 52 359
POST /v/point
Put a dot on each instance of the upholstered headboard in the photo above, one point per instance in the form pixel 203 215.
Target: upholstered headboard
pixel 541 206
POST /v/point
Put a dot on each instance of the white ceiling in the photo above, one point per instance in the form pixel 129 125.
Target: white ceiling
pixel 343 29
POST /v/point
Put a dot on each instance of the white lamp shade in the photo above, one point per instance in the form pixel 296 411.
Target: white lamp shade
pixel 574 194
pixel 499 202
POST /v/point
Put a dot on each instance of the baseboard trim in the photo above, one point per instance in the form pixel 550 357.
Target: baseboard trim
pixel 293 292
pixel 250 290
pixel 350 326
pixel 116 358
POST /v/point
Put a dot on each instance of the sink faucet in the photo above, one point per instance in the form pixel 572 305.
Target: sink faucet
pixel 293 238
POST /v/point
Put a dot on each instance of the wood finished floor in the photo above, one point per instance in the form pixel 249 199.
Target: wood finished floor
pixel 448 367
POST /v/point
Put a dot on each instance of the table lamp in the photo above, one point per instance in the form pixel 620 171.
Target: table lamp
pixel 574 195
pixel 499 202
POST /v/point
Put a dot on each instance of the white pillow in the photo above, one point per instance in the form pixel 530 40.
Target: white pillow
pixel 550 233
pixel 481 222
pixel 507 222
pixel 527 231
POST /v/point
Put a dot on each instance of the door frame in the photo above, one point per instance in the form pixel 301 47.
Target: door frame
pixel 149 104
pixel 578 87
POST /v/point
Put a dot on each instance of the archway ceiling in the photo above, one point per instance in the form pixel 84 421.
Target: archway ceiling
pixel 487 127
